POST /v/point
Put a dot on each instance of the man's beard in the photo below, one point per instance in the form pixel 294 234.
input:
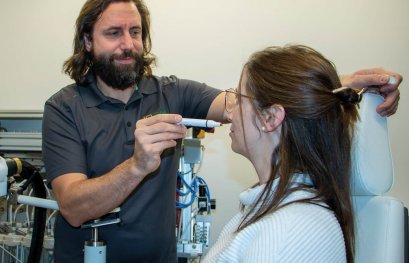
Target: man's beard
pixel 119 76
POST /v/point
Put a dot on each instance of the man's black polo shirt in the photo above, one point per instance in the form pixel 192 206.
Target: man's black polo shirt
pixel 87 132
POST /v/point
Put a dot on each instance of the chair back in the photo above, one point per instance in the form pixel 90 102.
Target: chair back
pixel 379 220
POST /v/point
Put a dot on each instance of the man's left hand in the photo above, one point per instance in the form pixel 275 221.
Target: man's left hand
pixel 380 79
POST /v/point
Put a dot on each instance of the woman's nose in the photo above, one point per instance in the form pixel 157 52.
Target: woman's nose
pixel 229 116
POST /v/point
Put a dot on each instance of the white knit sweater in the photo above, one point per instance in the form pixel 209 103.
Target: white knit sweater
pixel 296 233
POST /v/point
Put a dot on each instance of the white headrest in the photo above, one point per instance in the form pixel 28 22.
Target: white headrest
pixel 372 166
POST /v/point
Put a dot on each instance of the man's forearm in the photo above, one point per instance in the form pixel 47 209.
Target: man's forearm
pixel 86 199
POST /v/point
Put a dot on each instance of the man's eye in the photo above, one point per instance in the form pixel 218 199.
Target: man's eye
pixel 112 33
pixel 134 33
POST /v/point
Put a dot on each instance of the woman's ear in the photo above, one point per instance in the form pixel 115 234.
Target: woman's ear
pixel 87 42
pixel 273 116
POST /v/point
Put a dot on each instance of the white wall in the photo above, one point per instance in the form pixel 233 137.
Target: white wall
pixel 209 41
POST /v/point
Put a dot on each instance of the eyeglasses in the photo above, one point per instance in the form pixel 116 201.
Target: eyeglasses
pixel 231 99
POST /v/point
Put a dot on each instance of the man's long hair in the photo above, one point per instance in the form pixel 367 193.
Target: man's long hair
pixel 80 63
pixel 316 134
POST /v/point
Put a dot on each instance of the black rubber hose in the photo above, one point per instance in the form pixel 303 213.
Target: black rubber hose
pixel 30 173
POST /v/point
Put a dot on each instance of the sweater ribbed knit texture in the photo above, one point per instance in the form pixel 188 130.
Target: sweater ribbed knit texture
pixel 295 233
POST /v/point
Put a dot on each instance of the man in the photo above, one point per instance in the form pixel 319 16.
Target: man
pixel 111 140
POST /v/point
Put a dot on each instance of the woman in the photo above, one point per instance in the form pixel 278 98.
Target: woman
pixel 293 121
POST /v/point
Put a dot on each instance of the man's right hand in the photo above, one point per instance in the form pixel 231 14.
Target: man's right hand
pixel 153 135
pixel 81 199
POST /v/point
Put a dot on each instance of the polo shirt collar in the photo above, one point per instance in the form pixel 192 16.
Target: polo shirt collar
pixel 90 93
pixel 146 86
pixel 93 96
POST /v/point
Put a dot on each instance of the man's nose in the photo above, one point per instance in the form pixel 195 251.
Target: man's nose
pixel 126 42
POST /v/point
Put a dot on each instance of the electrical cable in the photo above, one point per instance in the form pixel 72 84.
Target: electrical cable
pixel 15 214
pixel 48 222
pixel 192 189
pixel 28 212
pixel 49 195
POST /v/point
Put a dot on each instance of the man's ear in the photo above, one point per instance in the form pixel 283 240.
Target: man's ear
pixel 88 42
pixel 273 116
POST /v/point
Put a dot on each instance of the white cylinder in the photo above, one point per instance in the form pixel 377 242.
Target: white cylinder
pixel 39 202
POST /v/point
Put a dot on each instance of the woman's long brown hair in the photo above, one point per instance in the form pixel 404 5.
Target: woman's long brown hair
pixel 316 133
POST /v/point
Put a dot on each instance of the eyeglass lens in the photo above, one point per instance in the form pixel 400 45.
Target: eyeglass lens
pixel 230 100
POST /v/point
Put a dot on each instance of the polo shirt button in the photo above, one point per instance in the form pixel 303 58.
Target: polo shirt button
pixel 126 107
pixel 128 124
